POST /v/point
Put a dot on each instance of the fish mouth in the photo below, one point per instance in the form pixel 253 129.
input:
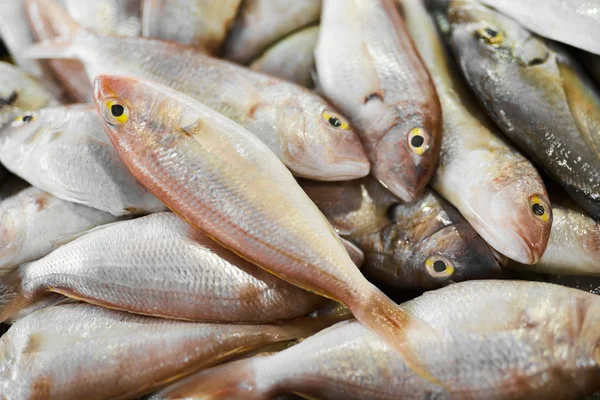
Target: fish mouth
pixel 339 171
pixel 399 190
pixel 510 244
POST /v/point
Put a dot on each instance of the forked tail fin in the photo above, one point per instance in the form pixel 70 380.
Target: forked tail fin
pixel 11 300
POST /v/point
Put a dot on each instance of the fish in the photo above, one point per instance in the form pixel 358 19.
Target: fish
pixel 106 17
pixel 306 133
pixel 65 152
pixel 421 245
pixel 369 69
pixel 223 180
pixel 533 90
pixel 157 265
pixel 82 351
pixel 33 223
pixel 261 22
pixel 43 302
pixel 199 23
pixel 574 22
pixel 291 58
pixel 498 191
pixel 497 340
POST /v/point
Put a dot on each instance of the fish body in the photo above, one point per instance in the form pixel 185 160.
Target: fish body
pixel 159 265
pixel 534 91
pixel 492 185
pixel 202 24
pixel 496 340
pixel 369 68
pixel 301 128
pixel 65 152
pixel 107 17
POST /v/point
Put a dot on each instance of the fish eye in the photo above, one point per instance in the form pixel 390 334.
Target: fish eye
pixel 540 208
pixel 335 120
pixel 23 119
pixel 490 35
pixel 418 140
pixel 439 268
pixel 116 112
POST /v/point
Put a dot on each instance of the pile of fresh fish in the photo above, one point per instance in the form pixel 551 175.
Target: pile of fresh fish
pixel 321 199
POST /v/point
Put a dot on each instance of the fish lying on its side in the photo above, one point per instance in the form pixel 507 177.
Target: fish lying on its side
pixel 157 265
pixel 301 128
pixel 494 187
pixel 369 68
pixel 495 340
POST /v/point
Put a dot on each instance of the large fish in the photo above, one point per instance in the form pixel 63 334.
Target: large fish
pixel 494 187
pixel 65 152
pixel 262 22
pixel 222 179
pixel 81 351
pixel 202 24
pixel 496 340
pixel 158 265
pixel 369 68
pixel 33 223
pixel 419 245
pixel 535 92
pixel 301 128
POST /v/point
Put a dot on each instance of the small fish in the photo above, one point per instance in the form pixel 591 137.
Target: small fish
pixel 106 17
pixel 33 223
pixel 226 182
pixel 262 22
pixel 201 24
pixel 533 90
pixel 496 189
pixel 301 128
pixel 157 265
pixel 291 58
pixel 65 152
pixel 497 340
pixel 369 68
pixel 574 22
pixel 421 245
pixel 81 351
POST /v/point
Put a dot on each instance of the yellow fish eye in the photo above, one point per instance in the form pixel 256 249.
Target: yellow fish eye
pixel 335 120
pixel 23 119
pixel 418 140
pixel 490 35
pixel 540 208
pixel 439 268
pixel 117 112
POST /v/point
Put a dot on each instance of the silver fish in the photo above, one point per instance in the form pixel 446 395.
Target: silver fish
pixel 496 340
pixel 158 265
pixel 65 152
pixel 107 17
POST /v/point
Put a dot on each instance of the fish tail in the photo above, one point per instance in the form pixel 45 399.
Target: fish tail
pixel 11 300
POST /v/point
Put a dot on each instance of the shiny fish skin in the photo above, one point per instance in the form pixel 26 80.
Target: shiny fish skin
pixel 33 223
pixel 287 118
pixel 369 68
pixel 262 22
pixel 533 91
pixel 65 151
pixel 202 24
pixel 107 17
pixel 81 351
pixel 491 184
pixel 496 340
pixel 159 265
pixel 225 181
pixel 575 22
pixel 291 58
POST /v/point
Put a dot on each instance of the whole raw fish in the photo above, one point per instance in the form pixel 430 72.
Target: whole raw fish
pixel 33 223
pixel 158 265
pixel 202 24
pixel 535 92
pixel 369 68
pixel 291 58
pixel 496 340
pixel 65 152
pixel 262 22
pixel 494 187
pixel 302 129
pixel 81 351
pixel 223 180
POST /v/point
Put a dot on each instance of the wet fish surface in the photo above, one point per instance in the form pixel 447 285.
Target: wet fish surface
pixel 107 17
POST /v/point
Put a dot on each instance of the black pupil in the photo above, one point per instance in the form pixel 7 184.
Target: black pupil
pixel 27 118
pixel 417 141
pixel 491 32
pixel 117 110
pixel 335 121
pixel 439 266
pixel 538 209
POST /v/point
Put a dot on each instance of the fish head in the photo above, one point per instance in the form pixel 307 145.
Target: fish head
pixel 19 131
